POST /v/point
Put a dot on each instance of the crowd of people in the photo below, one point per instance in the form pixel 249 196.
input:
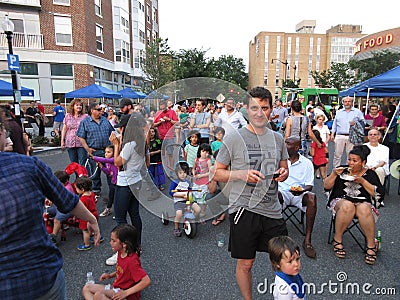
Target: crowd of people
pixel 251 154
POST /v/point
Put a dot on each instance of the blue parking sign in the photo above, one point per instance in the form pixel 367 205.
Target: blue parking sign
pixel 13 62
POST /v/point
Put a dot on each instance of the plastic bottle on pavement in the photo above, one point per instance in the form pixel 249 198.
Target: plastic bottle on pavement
pixel 89 278
pixel 379 238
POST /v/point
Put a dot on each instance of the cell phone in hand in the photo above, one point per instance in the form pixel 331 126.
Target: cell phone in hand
pixel 276 175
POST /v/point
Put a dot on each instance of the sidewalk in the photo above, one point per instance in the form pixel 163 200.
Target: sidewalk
pixel 43 149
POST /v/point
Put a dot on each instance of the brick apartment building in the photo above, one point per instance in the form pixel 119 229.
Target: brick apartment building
pixel 64 45
pixel 274 55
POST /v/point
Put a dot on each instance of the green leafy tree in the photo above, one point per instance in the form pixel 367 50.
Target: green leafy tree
pixel 321 78
pixel 231 69
pixel 341 76
pixel 192 63
pixel 379 63
pixel 159 64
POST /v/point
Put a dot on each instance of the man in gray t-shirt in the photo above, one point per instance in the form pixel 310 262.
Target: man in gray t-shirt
pixel 257 158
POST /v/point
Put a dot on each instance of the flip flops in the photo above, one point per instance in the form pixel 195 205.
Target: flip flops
pixel 218 221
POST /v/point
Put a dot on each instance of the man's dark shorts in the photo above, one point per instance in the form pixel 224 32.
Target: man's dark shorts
pixel 252 233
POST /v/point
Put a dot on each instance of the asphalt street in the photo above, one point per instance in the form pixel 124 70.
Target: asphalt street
pixel 183 268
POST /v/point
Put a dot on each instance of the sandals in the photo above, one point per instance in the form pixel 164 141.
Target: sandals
pixel 218 221
pixel 370 258
pixel 339 252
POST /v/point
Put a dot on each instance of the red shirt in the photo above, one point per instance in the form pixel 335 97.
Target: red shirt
pixel 379 121
pixel 129 272
pixel 319 157
pixel 164 128
pixel 90 203
pixel 41 108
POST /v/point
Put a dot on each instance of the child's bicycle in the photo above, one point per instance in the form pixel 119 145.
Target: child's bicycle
pixel 189 219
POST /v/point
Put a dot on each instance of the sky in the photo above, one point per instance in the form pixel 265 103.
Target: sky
pixel 224 27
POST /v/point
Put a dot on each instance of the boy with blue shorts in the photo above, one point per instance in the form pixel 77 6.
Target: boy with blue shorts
pixel 180 198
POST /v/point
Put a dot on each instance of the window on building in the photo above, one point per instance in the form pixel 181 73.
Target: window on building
pixel 29 69
pixel 61 70
pixel 122 51
pixel 63 30
pixel 97 7
pixel 148 16
pixel 62 2
pixel 99 38
pixel 142 36
pixel 18 25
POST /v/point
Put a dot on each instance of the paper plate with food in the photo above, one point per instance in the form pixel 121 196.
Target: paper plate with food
pixel 296 190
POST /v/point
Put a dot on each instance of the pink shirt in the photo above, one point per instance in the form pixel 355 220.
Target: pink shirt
pixel 72 124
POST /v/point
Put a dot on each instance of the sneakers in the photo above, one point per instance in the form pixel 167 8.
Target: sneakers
pixel 53 238
pixel 111 261
pixel 92 239
pixel 177 232
pixel 106 212
pixel 82 247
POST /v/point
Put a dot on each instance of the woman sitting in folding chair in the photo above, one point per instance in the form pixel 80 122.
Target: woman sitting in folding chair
pixel 356 192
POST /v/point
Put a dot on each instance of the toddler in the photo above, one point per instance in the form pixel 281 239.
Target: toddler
pixel 319 155
pixel 201 172
pixel 83 187
pixel 59 217
pixel 284 254
pixel 180 198
pixel 131 279
pixel 111 171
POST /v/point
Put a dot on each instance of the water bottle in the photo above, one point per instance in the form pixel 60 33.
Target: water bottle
pixel 379 238
pixel 89 278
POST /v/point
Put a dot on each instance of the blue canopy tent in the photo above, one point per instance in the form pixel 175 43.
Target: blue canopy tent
pixel 6 89
pixel 132 94
pixel 157 95
pixel 93 91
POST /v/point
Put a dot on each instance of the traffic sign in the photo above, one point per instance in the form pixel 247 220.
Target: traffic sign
pixel 220 98
pixel 13 62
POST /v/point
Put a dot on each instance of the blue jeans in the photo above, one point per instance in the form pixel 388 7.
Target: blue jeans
pixel 96 177
pixel 78 155
pixel 125 201
pixel 57 291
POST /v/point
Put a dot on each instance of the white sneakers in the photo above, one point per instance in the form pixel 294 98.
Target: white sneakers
pixel 111 261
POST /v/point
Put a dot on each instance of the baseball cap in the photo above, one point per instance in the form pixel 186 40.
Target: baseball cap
pixel 123 122
pixel 125 102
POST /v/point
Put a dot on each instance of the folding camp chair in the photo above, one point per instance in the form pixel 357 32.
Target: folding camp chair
pixel 354 224
pixel 290 213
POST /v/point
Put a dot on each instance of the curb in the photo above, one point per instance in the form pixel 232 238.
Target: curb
pixel 45 150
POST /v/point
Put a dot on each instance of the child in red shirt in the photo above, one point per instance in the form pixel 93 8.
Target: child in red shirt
pixel 131 279
pixel 83 186
pixel 319 155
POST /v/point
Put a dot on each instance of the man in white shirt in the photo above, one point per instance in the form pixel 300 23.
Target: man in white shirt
pixel 301 173
pixel 230 119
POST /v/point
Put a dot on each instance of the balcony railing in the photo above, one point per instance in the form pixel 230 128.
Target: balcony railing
pixel 35 3
pixel 22 40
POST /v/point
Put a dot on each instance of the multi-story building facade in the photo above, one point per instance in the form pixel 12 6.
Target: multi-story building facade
pixel 276 56
pixel 64 45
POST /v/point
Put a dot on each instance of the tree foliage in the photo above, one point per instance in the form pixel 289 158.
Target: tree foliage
pixel 163 65
pixel 379 63
pixel 344 75
pixel 159 64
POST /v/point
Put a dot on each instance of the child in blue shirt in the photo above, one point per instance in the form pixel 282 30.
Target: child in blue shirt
pixel 180 198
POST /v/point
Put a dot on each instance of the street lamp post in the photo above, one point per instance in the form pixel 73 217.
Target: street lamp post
pixel 8 28
pixel 287 65
pixel 282 62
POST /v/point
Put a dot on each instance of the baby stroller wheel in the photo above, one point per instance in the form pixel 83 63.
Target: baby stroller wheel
pixel 190 228
pixel 164 218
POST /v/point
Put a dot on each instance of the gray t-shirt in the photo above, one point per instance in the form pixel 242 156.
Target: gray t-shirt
pixel 245 150
pixel 200 119
pixel 132 167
